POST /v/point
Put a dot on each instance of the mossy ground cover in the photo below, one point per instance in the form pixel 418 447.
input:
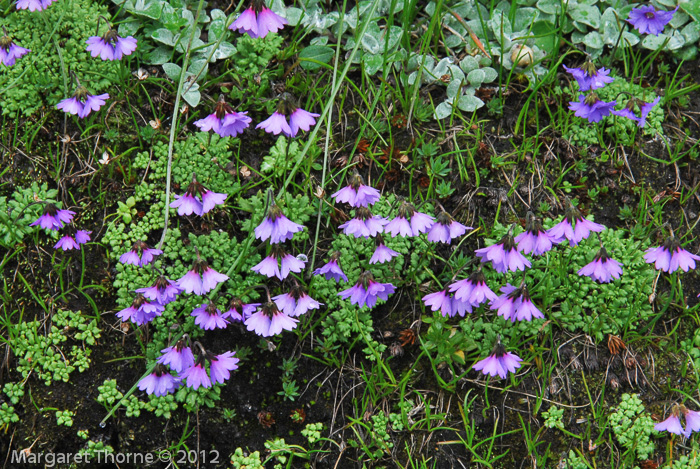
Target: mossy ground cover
pixel 389 386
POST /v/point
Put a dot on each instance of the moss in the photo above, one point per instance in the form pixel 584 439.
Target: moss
pixel 37 79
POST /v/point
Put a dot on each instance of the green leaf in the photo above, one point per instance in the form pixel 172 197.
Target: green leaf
pixel 547 32
pixel 586 14
pixel 551 7
pixel 164 36
pixel 159 55
pixel 691 33
pixel 693 9
pixel 454 88
pixel 469 103
pixel 593 40
pixel 151 9
pixel 490 74
pixel 308 57
pixel 172 70
pixel 443 110
pixel 370 44
pixel 476 77
pixel 372 63
pixel 468 64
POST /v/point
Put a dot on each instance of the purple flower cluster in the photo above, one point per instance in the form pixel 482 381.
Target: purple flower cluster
pixel 366 291
pixel 258 20
pixel 499 363
pixel 224 120
pixel 192 371
pixel 139 255
pixel 55 219
pixel 670 256
pixel 82 103
pixel 288 118
pixel 111 46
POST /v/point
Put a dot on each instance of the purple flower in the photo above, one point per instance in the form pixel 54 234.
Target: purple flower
pixel 671 256
pixel 238 311
pixel 647 20
pixel 191 282
pixel 692 421
pixel 332 270
pixel 69 241
pixel 208 317
pixel 224 121
pixel 82 236
pixel 672 424
pixel 111 46
pixel 258 20
pixel 499 362
pixel 590 78
pixel 53 218
pixel 82 103
pixel 441 301
pixel 33 5
pixel 534 239
pixel 573 227
pixel 289 264
pixel 473 290
pixel 298 118
pixel 179 357
pixel 382 253
pixel 270 321
pixel 364 225
pixel 644 110
pixel 197 199
pixel 296 302
pixel 141 311
pixel 276 227
pixel 356 194
pixel 140 255
pixel 504 255
pixel 9 51
pixel 268 267
pixel 603 269
pixel 366 291
pixel 163 291
pixel 159 383
pixel 515 304
pixel 445 229
pixel 409 222
pixel 220 366
pixel 196 375
pixel 591 107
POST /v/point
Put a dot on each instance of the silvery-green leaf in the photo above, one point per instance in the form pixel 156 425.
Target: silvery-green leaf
pixel 453 41
pixel 159 55
pixel 129 28
pixel 322 54
pixel 524 17
pixel 593 40
pixel 395 34
pixel 477 28
pixel 443 110
pixel 172 70
pixel 191 94
pixel 503 7
pixel 163 36
pixel 293 15
pixel 546 36
pixel 370 44
pixel 500 25
pixel 693 9
pixel 586 14
pixel 668 3
pixel 577 38
pixel 629 39
pixel 224 51
pixel 679 19
pixel 441 68
pixel 198 66
pixel 691 33
pixel 476 77
pixel 151 9
pixel 552 7
pixel 652 42
pixel 454 88
pixel 490 74
pixel 412 78
pixel 484 61
pixel 372 63
pixel 468 64
pixel 677 41
pixel 469 103
pixel 688 53
pixel 455 72
pixel 319 41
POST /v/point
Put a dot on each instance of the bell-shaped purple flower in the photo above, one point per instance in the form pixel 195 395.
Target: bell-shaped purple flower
pixel 672 424
pixel 141 311
pixel 81 103
pixel 220 366
pixel 276 227
pixel 504 256
pixel 196 375
pixel 366 291
pixel 603 269
pixel 178 357
pixel 440 301
pixel 111 46
pixel 73 241
pixel 163 291
pixel 270 321
pixel 382 253
pixel 648 20
pixel 445 229
pixel 139 255
pixel 33 5
pixel 364 224
pixel 499 363
pixel 473 290
pixel 258 20
pixel 409 222
pixel 53 218
pixel 160 382
pixel 535 239
pixel 332 269
pixel 239 311
pixel 224 120
pixel 197 199
pixel 208 317
pixel 201 278
pixel 296 302
pixel 591 107
pixel 357 194
pixel 632 105
pixel 9 51
pixel 298 118
pixel 574 227
pixel 671 256
pixel 589 77
pixel 515 304
pixel 692 421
